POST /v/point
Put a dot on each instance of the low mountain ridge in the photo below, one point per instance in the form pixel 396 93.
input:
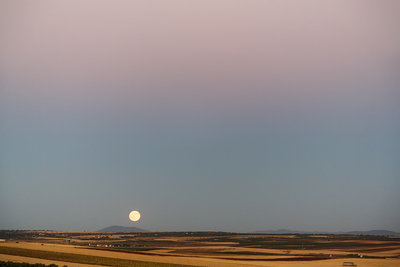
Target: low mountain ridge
pixel 121 229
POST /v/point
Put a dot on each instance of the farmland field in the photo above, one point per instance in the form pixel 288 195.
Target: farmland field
pixel 197 249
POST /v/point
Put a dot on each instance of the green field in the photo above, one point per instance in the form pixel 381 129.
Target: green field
pixel 24 264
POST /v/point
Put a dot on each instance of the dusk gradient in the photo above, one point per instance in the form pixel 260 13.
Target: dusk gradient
pixel 203 115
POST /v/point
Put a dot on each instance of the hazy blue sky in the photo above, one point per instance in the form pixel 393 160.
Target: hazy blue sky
pixel 203 115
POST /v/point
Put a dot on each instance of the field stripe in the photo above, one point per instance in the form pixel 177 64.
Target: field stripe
pixel 79 258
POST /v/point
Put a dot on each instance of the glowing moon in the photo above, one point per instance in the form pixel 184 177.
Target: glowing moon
pixel 134 216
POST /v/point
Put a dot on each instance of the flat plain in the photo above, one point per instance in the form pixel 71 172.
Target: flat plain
pixel 197 249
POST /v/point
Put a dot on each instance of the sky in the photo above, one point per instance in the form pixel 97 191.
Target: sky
pixel 203 115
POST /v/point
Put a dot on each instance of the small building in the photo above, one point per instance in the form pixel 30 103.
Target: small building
pixel 349 263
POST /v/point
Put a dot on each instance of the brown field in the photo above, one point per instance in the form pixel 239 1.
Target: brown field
pixel 197 249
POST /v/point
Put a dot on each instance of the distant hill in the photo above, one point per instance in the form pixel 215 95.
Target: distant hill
pixel 121 229
pixel 371 232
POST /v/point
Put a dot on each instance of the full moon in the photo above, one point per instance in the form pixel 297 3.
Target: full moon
pixel 134 216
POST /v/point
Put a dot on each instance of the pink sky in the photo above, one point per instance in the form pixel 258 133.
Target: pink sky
pixel 200 54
